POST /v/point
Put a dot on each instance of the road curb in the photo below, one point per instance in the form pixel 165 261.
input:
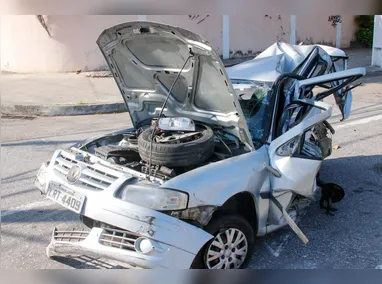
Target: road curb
pixel 61 110
pixel 373 73
pixel 83 109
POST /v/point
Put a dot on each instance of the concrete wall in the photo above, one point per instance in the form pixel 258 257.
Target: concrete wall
pixel 377 42
pixel 256 33
pixel 317 29
pixel 26 46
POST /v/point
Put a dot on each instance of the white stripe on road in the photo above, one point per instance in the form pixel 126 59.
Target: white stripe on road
pixel 360 121
pixel 22 208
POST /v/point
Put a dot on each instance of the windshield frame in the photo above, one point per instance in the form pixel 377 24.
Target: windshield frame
pixel 240 85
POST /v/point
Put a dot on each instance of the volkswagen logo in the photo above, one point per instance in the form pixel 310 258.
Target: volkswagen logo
pixel 74 174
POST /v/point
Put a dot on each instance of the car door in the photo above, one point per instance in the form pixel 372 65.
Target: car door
pixel 294 157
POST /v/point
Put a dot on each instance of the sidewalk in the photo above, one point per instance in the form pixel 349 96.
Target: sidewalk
pixel 58 94
pixel 93 92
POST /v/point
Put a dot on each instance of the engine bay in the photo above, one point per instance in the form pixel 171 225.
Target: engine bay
pixel 176 151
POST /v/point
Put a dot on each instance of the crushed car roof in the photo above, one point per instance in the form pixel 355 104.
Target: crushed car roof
pixel 277 59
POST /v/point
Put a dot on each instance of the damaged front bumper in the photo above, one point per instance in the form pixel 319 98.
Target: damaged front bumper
pixel 117 245
pixel 168 242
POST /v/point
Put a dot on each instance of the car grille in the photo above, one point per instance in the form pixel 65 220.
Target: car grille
pixel 95 176
pixel 70 235
pixel 119 239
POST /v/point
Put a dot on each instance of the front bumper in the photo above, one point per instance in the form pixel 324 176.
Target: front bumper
pixel 98 243
pixel 176 242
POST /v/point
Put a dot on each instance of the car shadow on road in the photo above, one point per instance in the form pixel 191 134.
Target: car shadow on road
pixel 38 143
pixel 38 216
pixel 86 262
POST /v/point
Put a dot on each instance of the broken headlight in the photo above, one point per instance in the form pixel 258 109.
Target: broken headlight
pixel 289 148
pixel 202 214
pixel 154 197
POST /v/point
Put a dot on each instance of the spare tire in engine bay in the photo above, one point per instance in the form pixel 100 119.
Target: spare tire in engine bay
pixel 175 148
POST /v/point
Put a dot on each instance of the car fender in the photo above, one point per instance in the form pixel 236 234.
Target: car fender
pixel 215 183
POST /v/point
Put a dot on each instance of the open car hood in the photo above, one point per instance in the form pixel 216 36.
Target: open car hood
pixel 145 59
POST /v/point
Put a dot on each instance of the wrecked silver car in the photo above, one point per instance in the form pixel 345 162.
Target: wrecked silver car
pixel 215 156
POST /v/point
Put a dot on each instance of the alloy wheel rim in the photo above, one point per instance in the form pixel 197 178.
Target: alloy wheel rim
pixel 228 250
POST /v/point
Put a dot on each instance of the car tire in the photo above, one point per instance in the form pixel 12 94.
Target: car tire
pixel 177 155
pixel 220 226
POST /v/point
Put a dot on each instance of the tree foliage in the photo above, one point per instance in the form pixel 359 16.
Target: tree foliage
pixel 364 33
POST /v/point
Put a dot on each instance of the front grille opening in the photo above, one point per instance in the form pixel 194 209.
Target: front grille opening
pixel 68 159
pixel 91 178
pixel 112 236
pixel 115 237
pixel 70 235
pixel 119 239
pixel 102 173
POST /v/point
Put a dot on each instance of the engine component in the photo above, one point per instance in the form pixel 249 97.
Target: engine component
pixel 129 141
pixel 161 172
pixel 177 149
pixel 117 154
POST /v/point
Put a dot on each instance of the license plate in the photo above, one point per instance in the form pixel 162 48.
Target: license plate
pixel 66 197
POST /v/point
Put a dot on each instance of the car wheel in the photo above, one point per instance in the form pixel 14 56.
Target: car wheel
pixel 231 247
pixel 179 154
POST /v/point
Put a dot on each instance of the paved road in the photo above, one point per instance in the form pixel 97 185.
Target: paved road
pixel 350 239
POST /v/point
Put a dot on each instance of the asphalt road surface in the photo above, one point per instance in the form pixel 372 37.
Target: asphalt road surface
pixel 350 239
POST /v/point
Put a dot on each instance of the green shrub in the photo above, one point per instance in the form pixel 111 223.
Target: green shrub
pixel 364 33
pixel 365 36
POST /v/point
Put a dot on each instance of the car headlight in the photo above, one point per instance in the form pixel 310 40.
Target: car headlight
pixel 154 197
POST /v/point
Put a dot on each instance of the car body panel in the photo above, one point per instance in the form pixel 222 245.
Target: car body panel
pixel 145 59
pixel 215 183
pixel 277 59
pixel 281 58
pixel 297 174
pixel 242 173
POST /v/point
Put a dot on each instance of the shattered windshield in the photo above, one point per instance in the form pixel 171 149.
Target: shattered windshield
pixel 254 98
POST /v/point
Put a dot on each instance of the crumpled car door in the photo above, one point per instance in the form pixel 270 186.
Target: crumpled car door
pixel 294 157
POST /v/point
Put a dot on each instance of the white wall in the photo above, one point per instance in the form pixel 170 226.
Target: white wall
pixel 255 33
pixel 317 28
pixel 26 46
